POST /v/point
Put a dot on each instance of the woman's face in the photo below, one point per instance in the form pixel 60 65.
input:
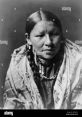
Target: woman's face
pixel 45 39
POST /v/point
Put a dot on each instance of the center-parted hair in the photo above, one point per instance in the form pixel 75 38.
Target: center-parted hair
pixel 41 15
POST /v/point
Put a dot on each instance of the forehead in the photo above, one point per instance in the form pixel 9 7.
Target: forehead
pixel 44 26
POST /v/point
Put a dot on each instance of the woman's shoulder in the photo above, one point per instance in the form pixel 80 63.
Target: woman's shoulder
pixel 18 54
pixel 73 49
pixel 19 51
pixel 17 66
pixel 18 58
pixel 73 45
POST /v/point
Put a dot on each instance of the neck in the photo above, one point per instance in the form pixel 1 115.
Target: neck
pixel 46 70
pixel 45 66
pixel 45 62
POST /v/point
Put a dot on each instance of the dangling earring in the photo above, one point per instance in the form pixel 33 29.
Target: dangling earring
pixel 29 51
pixel 30 48
pixel 35 58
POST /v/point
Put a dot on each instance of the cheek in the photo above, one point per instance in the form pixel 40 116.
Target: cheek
pixel 56 40
pixel 56 43
pixel 37 43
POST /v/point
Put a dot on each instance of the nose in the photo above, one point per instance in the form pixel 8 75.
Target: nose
pixel 48 40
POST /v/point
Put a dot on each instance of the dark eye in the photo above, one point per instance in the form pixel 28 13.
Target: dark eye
pixel 41 35
pixel 54 33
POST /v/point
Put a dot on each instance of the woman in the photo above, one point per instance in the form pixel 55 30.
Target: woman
pixel 46 72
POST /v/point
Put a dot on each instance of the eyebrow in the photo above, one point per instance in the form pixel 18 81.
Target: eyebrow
pixel 40 32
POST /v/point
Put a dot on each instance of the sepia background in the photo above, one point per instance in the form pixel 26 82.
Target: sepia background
pixel 13 15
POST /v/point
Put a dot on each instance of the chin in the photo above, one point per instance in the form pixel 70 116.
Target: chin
pixel 47 57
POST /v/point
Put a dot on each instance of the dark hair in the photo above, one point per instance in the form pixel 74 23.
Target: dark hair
pixel 36 17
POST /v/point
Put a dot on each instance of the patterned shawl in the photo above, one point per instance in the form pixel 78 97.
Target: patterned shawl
pixel 21 91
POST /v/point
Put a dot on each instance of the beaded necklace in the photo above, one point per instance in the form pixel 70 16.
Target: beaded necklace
pixel 44 77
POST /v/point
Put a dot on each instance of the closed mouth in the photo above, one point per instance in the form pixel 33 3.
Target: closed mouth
pixel 48 50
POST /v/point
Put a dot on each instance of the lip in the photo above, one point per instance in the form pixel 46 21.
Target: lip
pixel 49 50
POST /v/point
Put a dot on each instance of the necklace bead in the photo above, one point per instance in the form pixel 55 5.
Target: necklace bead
pixel 46 78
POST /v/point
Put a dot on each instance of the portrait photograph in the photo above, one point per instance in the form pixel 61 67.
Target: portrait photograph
pixel 41 55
